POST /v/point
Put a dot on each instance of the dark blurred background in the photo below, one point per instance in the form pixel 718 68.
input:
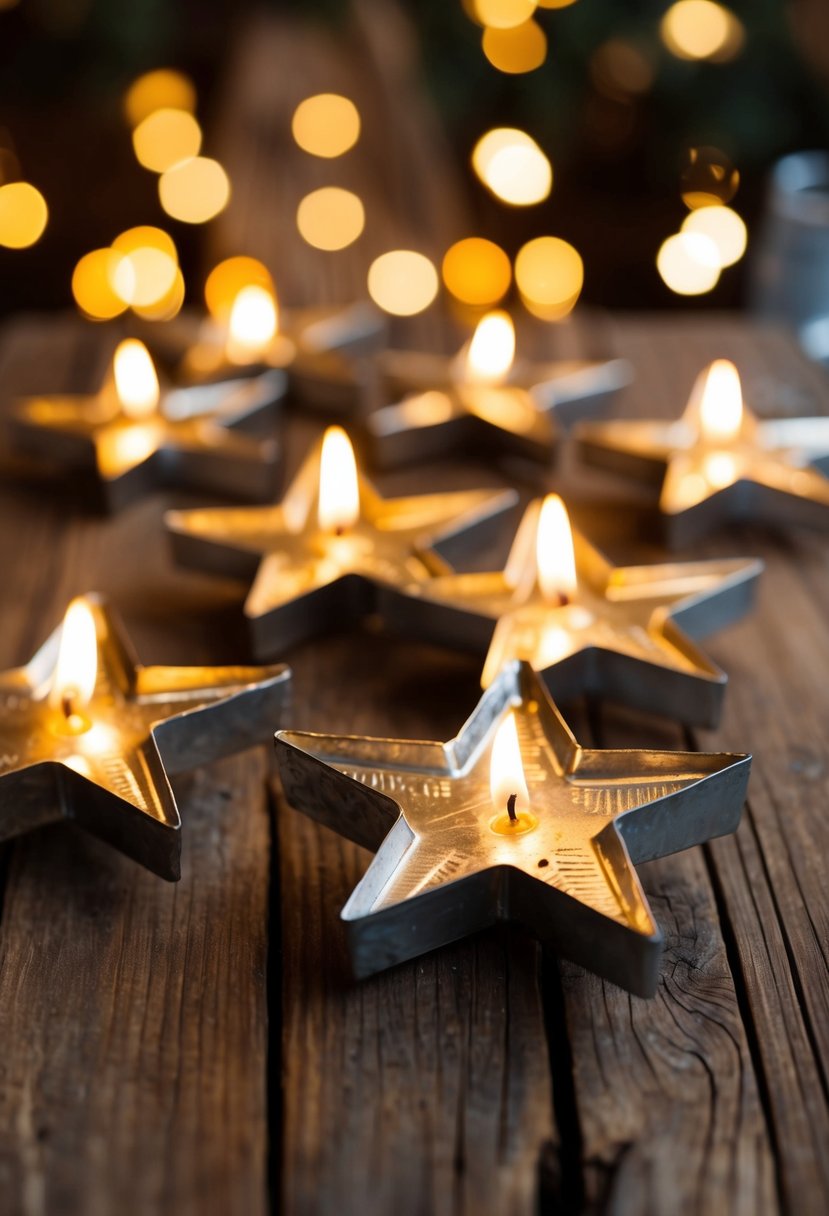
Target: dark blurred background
pixel 615 109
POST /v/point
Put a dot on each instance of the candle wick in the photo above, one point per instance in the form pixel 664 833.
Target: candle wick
pixel 338 531
pixel 563 599
pixel 511 808
pixel 66 703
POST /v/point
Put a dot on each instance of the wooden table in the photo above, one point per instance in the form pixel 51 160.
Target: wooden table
pixel 199 1047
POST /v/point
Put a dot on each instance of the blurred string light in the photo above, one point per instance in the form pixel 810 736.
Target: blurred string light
pixel 722 226
pixel 195 190
pixel 708 177
pixel 549 274
pixel 476 271
pixel 140 270
pixel 229 278
pixel 402 282
pixel 620 68
pixel 689 263
pixel 702 29
pixel 23 215
pixel 330 218
pixel 159 90
pixel 166 137
pixel 512 166
pixel 326 125
pixel 503 14
pixel 521 48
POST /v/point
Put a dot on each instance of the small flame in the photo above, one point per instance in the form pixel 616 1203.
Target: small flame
pixel 492 349
pixel 76 668
pixel 136 383
pixel 254 320
pixel 721 403
pixel 506 772
pixel 339 492
pixel 554 552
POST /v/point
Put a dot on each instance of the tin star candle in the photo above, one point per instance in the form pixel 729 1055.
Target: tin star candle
pixel 133 439
pixel 319 559
pixel 483 399
pixel 589 627
pixel 88 735
pixel 320 351
pixel 718 462
pixel 511 820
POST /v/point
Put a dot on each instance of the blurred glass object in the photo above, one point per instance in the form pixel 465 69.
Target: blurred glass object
pixel 791 270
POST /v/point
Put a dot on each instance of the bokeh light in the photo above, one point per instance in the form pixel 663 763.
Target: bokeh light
pixel 549 274
pixel 688 263
pixel 162 89
pixel 722 226
pixel 166 306
pixel 476 271
pixel 522 48
pixel 228 278
pixel 554 3
pixel 326 124
pixel 619 67
pixel 402 282
pixel 701 29
pixel 512 166
pixel 503 14
pixel 194 191
pixel 166 137
pixel 708 177
pixel 330 218
pixel 23 215
pixel 92 285
pixel 145 273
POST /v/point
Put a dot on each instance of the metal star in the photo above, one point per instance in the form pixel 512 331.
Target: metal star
pixel 307 580
pixel 524 416
pixel 146 722
pixel 626 633
pixel 773 472
pixel 193 440
pixel 443 867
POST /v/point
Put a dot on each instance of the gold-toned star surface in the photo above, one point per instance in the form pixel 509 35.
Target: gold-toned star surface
pixel 141 723
pixel 523 415
pixel 718 462
pixel 309 577
pixel 450 860
pixel 188 439
pixel 626 633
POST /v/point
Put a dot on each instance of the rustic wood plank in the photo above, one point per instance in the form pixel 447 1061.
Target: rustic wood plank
pixel 769 878
pixel 132 1012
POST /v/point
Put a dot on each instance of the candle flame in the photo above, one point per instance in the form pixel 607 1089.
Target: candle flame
pixel 721 403
pixel 136 382
pixel 254 320
pixel 506 771
pixel 492 349
pixel 338 506
pixel 76 668
pixel 554 553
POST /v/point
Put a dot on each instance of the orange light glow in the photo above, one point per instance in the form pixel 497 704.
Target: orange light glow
pixel 76 669
pixel 549 274
pixel 402 282
pixel 503 14
pixel 165 138
pixel 507 783
pixel 512 166
pixel 721 403
pixel 23 215
pixel 227 279
pixel 522 48
pixel 702 29
pixel 136 382
pixel 555 557
pixel 492 349
pixel 330 218
pixel 326 125
pixel 254 320
pixel 163 88
pixel 476 271
pixel 92 284
pixel 195 190
pixel 688 263
pixel 338 507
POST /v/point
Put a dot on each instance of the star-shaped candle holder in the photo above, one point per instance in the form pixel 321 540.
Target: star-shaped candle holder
pixel 320 352
pixel 625 633
pixel 321 558
pixel 131 439
pixel 512 820
pixel 483 400
pixel 88 735
pixel 719 463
